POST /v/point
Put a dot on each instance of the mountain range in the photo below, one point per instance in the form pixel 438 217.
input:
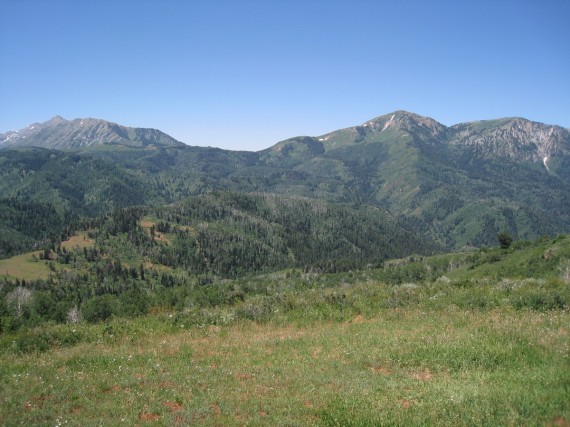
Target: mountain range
pixel 456 186
pixel 61 134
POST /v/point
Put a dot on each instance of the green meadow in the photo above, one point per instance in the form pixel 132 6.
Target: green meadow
pixel 24 266
pixel 361 354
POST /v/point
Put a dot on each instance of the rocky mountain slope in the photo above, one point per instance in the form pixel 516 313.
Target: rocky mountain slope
pixel 62 134
pixel 461 183
pixel 517 139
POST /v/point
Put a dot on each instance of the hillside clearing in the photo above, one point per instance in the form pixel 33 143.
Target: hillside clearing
pixel 24 267
pixel 28 266
pixel 79 240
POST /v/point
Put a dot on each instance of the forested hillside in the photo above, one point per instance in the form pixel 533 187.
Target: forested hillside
pixel 460 185
pixel 209 257
pixel 192 246
pixel 32 225
pixel 84 185
pixel 457 185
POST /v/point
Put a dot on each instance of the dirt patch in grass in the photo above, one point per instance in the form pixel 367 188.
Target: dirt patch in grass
pixel 357 319
pixel 424 375
pixel 315 352
pixel 160 237
pixel 241 376
pixel 173 406
pixel 35 402
pixel 380 370
pixel 145 223
pixel 146 417
pixel 215 409
pixel 113 388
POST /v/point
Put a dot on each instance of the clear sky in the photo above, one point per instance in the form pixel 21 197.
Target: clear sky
pixel 245 74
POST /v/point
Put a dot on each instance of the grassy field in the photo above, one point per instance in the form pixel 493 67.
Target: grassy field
pixel 413 365
pixel 24 267
pixel 80 240
pixel 28 266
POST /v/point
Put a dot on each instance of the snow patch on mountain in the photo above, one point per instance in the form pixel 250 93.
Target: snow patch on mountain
pixel 545 161
pixel 388 123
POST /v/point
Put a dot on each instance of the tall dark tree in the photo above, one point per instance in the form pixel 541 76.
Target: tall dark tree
pixel 505 239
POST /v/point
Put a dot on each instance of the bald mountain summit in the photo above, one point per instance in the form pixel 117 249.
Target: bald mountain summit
pixel 454 187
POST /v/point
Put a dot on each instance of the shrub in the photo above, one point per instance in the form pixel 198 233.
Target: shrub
pixel 403 296
pixel 505 239
pixel 564 269
pixel 258 307
pixel 134 302
pixel 540 300
pixel 100 308
pixel 40 340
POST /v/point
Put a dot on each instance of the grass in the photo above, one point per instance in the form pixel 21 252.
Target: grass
pixel 414 365
pixel 80 240
pixel 540 259
pixel 24 267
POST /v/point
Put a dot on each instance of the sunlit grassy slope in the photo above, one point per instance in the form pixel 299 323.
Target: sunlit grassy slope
pixel 28 266
pixel 406 366
pixel 24 267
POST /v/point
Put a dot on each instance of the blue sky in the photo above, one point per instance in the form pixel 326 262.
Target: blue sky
pixel 244 75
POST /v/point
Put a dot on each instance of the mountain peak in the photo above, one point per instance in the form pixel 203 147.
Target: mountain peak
pixel 406 121
pixel 62 134
pixel 55 120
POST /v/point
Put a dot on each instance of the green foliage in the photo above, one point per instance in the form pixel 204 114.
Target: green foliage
pixel 110 279
pixel 134 302
pixel 29 225
pixel 80 184
pixel 542 300
pixel 100 308
pixel 232 234
pixel 205 246
pixel 44 338
pixel 505 239
pixel 256 308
